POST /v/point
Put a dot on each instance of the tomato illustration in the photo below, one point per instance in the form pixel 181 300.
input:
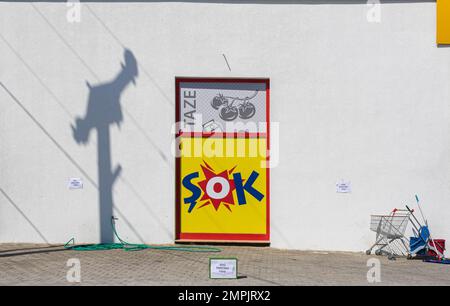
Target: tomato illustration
pixel 218 101
pixel 247 110
pixel 229 113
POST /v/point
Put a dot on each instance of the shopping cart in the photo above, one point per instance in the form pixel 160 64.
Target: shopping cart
pixel 390 229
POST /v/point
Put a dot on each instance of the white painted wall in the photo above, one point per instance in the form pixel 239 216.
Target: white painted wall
pixel 367 102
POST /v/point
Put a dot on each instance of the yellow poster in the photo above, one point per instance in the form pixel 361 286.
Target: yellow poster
pixel 225 195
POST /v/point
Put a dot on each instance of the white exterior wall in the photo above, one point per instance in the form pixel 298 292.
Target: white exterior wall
pixel 366 102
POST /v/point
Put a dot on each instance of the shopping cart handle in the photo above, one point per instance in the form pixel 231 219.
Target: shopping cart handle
pixel 409 209
pixel 417 199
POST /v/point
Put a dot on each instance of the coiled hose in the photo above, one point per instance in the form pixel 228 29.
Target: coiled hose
pixel 70 245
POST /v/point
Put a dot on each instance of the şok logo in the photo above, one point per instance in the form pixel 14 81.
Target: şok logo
pixel 217 188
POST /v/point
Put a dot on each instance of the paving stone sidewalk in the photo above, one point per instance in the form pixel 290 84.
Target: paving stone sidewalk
pixel 27 264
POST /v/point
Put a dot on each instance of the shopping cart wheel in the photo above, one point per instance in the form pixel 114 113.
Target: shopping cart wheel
pixel 409 256
pixel 378 252
pixel 368 252
pixel 391 257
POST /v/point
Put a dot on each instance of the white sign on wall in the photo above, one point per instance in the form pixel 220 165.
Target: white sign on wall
pixel 223 268
pixel 75 183
pixel 343 187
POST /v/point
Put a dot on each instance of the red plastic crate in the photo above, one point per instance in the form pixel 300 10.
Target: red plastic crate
pixel 439 244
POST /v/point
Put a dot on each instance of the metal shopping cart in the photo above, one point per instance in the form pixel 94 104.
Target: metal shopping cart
pixel 390 229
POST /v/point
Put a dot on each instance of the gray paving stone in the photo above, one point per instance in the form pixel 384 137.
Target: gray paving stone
pixel 28 264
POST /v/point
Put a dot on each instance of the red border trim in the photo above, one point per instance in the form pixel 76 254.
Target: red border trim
pixel 221 80
pixel 222 135
pixel 177 165
pixel 227 237
pixel 218 236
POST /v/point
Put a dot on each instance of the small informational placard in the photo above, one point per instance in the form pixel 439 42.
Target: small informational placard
pixel 75 183
pixel 343 187
pixel 223 268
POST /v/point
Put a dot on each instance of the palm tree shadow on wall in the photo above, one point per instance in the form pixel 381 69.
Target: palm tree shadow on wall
pixel 104 110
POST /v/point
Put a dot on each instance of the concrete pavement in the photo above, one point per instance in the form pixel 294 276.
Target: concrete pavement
pixel 27 264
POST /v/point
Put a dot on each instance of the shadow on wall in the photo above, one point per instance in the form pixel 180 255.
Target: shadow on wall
pixel 104 110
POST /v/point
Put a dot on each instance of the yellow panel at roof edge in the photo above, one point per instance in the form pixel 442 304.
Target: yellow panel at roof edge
pixel 443 22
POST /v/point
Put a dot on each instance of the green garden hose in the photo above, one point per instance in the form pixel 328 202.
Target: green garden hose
pixel 133 246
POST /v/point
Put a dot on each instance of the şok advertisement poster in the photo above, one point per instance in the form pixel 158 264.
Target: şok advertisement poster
pixel 222 174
